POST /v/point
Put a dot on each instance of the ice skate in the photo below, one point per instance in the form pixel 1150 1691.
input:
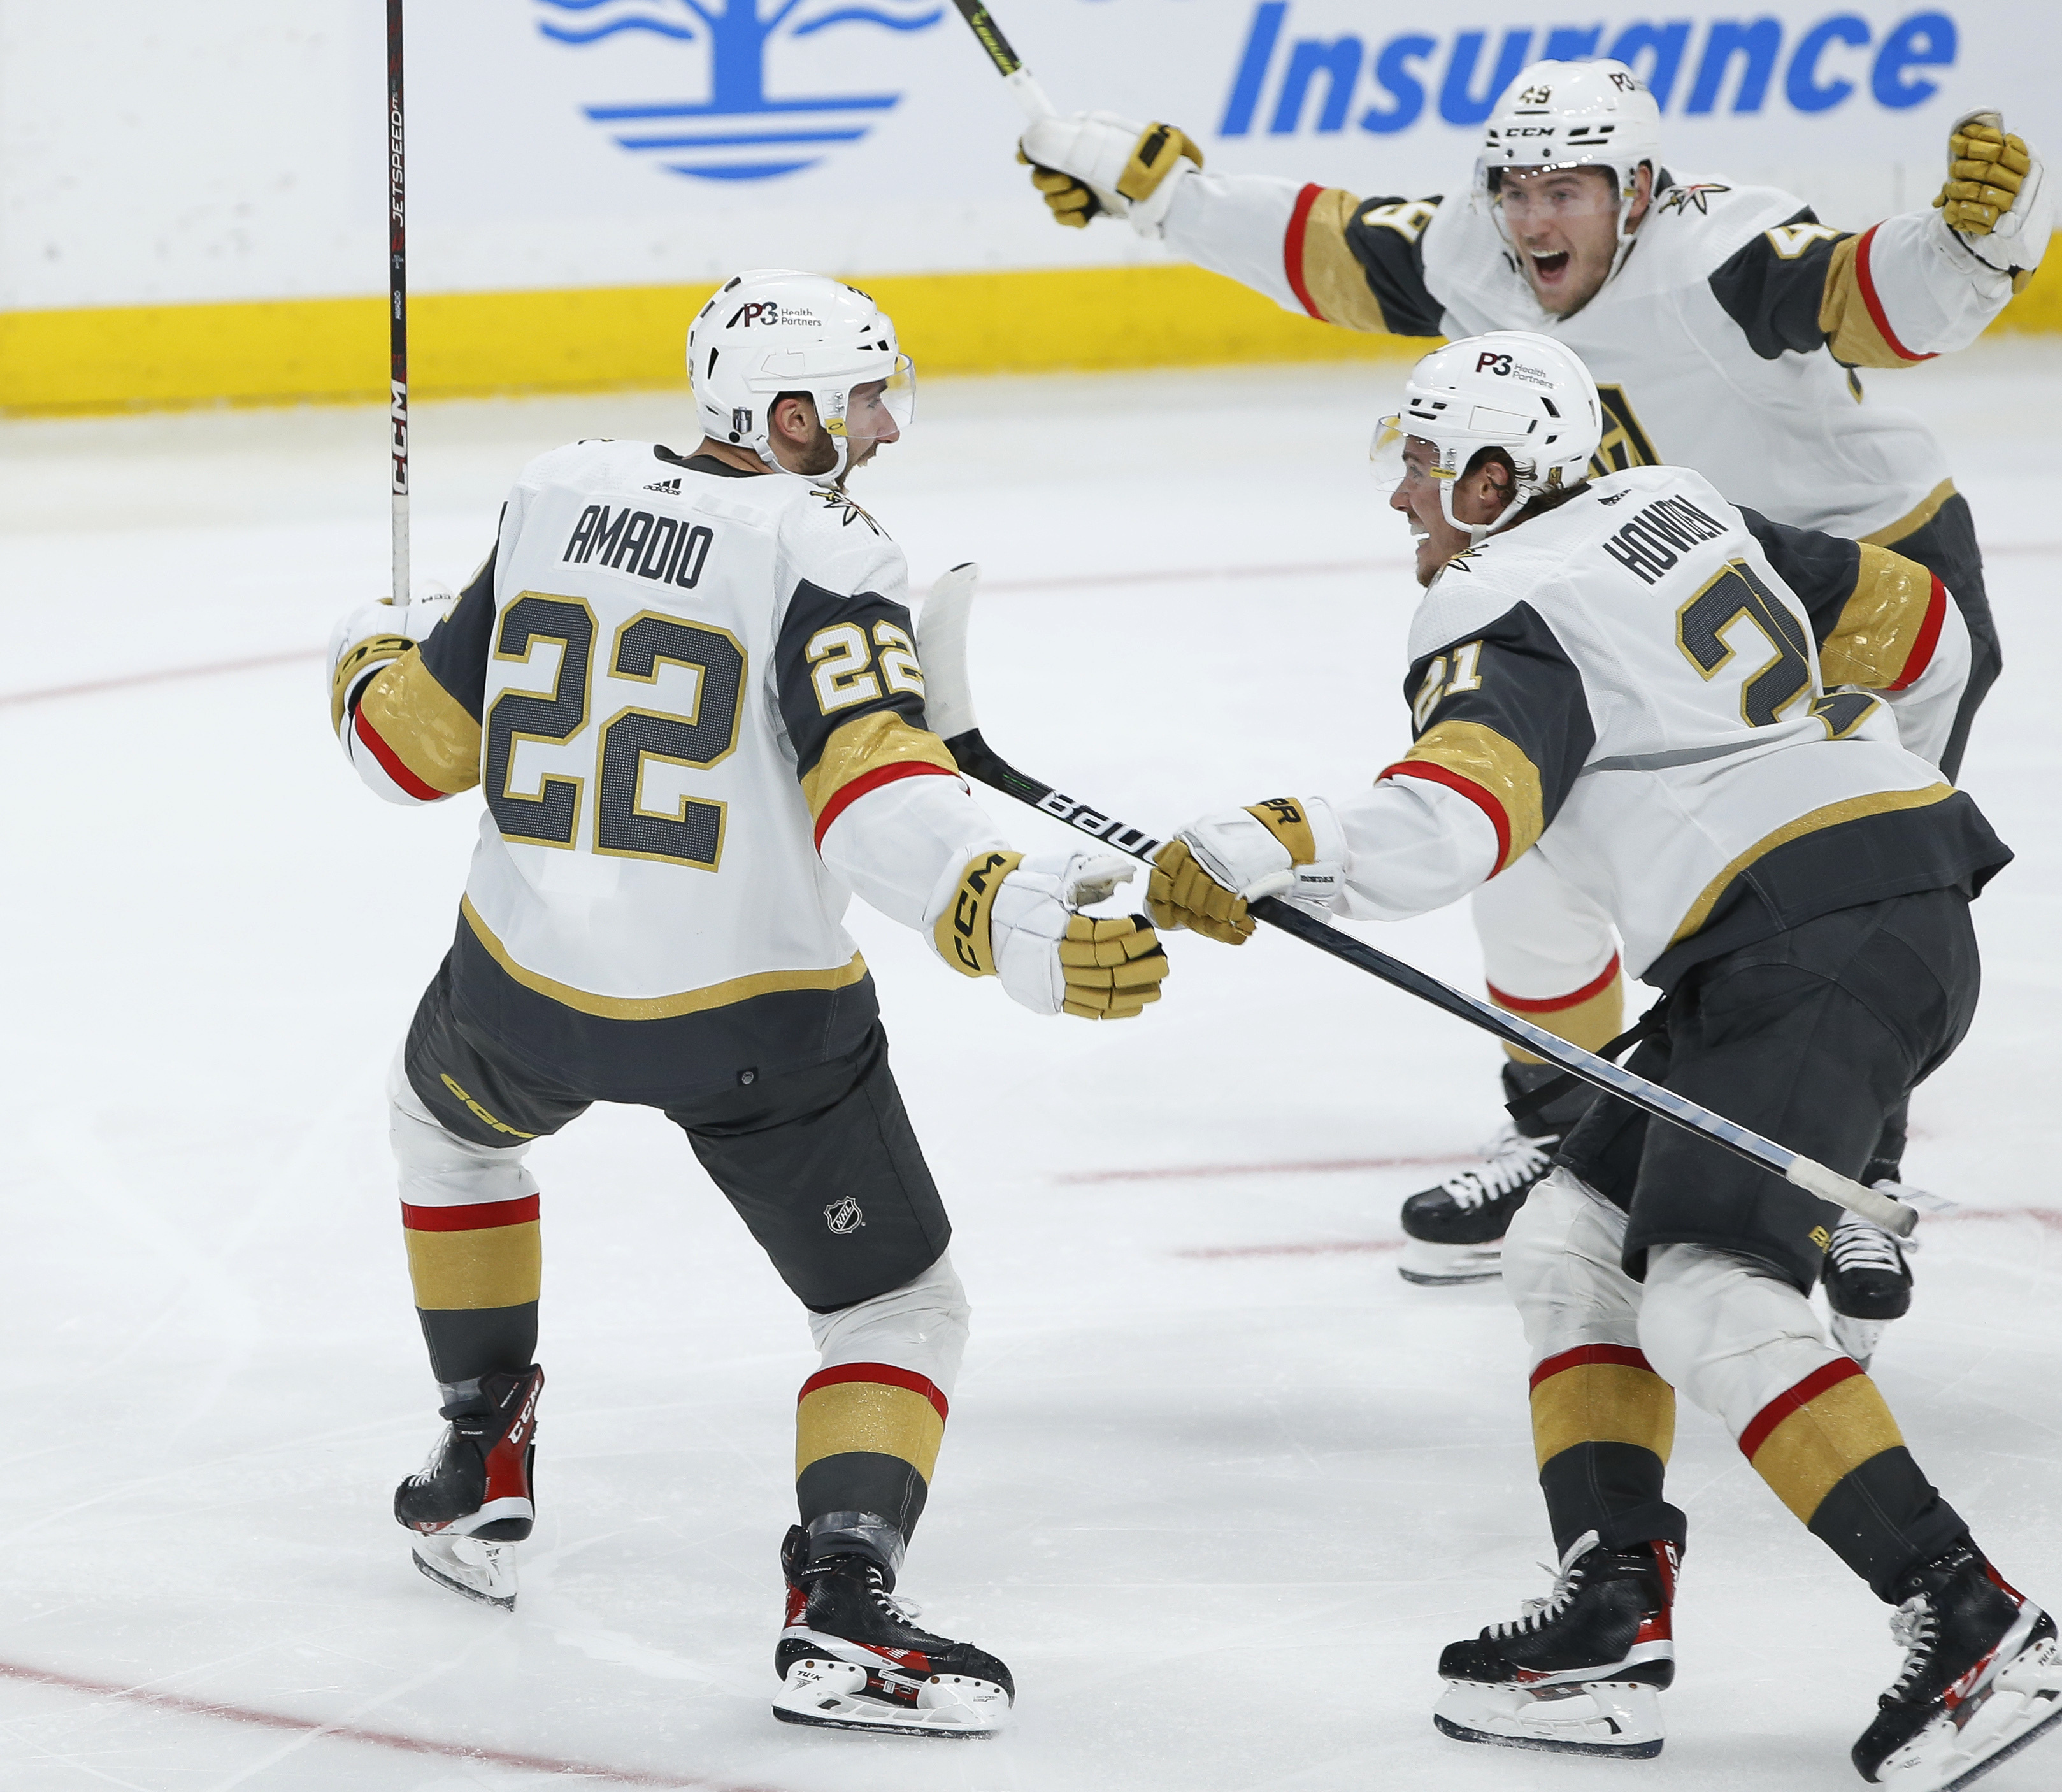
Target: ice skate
pixel 473 1501
pixel 850 1658
pixel 1868 1282
pixel 1454 1232
pixel 1982 1678
pixel 1581 1673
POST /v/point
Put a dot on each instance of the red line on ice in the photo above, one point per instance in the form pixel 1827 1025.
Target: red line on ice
pixel 1321 1167
pixel 351 1732
pixel 1345 1247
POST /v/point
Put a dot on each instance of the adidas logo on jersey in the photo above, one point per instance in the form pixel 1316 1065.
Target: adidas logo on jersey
pixel 670 487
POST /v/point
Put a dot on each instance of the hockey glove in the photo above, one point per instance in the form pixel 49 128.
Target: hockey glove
pixel 1203 879
pixel 373 636
pixel 1014 918
pixel 1995 197
pixel 1095 161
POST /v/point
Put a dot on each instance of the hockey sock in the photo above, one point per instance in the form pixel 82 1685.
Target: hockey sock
pixel 1833 1454
pixel 866 1440
pixel 1603 1426
pixel 477 1271
pixel 1588 1016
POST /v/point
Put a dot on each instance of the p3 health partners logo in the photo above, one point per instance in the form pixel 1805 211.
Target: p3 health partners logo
pixel 1290 77
pixel 740 132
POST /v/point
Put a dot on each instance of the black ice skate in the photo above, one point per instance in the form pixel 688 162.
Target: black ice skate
pixel 1581 1672
pixel 1867 1283
pixel 1454 1232
pixel 473 1500
pixel 1982 1678
pixel 852 1659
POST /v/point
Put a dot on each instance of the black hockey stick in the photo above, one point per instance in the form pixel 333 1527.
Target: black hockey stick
pixel 941 649
pixel 397 290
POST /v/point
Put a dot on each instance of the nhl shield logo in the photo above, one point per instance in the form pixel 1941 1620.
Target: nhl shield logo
pixel 844 1215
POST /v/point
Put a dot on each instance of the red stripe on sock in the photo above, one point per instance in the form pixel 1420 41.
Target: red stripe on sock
pixel 1438 774
pixel 1929 638
pixel 885 1373
pixel 860 786
pixel 1521 1004
pixel 1623 1355
pixel 390 762
pixel 1292 249
pixel 479 1217
pixel 1795 1400
pixel 1866 280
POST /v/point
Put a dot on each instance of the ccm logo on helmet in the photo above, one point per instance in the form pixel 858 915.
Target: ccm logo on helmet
pixel 1488 362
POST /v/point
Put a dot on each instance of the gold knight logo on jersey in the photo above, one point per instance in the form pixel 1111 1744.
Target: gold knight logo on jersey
pixel 1625 443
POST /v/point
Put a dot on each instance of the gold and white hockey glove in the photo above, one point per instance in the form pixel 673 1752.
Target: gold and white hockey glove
pixel 1204 878
pixel 374 635
pixel 1007 916
pixel 1996 197
pixel 1088 162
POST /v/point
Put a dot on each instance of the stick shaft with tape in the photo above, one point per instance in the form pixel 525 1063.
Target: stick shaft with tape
pixel 1019 79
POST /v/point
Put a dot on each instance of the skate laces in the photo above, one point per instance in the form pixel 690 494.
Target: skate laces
pixel 1860 1244
pixel 1914 1627
pixel 903 1611
pixel 1536 1613
pixel 1509 1158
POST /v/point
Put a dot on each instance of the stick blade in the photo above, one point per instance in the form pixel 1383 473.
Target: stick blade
pixel 941 650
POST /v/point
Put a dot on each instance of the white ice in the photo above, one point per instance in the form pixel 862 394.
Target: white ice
pixel 1218 1484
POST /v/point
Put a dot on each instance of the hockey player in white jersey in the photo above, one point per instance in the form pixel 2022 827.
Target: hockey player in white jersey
pixel 686 687
pixel 1694 715
pixel 1723 324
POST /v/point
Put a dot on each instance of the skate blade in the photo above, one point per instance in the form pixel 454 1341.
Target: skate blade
pixel 831 1695
pixel 1430 1266
pixel 469 1566
pixel 1620 1720
pixel 2025 1705
pixel 1858 1337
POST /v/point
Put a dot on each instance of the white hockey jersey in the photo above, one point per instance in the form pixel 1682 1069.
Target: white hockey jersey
pixel 1726 341
pixel 1688 710
pixel 692 699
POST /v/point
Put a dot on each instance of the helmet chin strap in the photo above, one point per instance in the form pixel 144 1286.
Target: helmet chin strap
pixel 1478 533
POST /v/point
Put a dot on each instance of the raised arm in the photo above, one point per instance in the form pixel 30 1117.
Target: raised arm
pixel 1914 286
pixel 1318 251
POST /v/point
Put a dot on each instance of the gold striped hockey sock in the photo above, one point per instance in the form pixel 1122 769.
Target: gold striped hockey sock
pixel 1830 1451
pixel 477 1270
pixel 1603 1426
pixel 866 1440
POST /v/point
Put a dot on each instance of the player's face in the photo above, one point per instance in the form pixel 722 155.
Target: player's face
pixel 869 425
pixel 1563 223
pixel 1416 496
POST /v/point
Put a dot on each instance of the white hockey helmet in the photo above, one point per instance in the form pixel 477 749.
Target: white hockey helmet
pixel 1573 115
pixel 772 330
pixel 1526 393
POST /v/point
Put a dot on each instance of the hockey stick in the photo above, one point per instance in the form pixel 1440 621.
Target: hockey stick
pixel 397 288
pixel 1019 79
pixel 941 649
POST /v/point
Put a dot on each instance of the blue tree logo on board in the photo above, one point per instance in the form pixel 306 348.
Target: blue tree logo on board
pixel 740 132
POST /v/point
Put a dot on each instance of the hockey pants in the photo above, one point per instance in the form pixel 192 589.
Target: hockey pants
pixel 1609 1355
pixel 868 1422
pixel 1550 954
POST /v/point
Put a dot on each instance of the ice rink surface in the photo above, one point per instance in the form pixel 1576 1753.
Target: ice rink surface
pixel 1218 1484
